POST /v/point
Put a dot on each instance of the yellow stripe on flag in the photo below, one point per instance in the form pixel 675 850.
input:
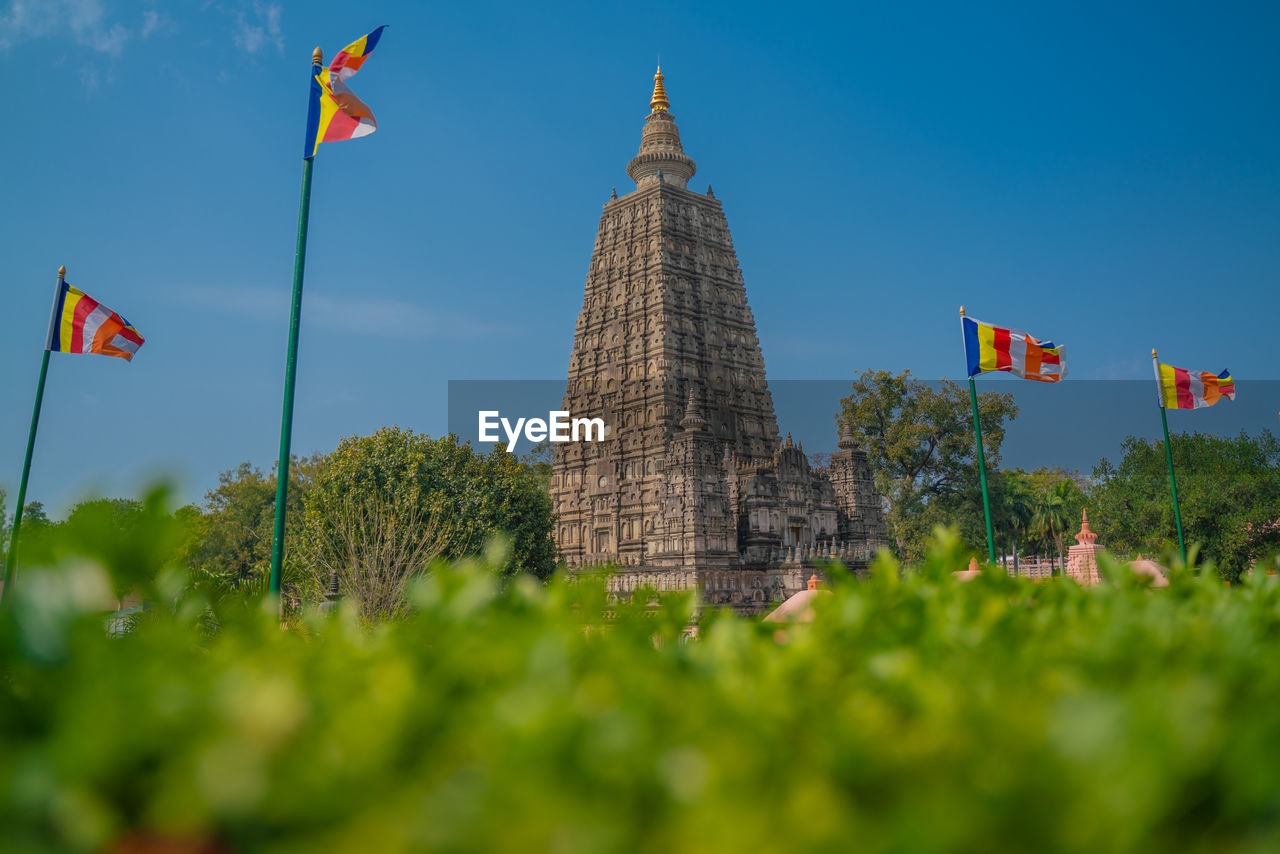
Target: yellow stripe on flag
pixel 1169 386
pixel 987 351
pixel 67 321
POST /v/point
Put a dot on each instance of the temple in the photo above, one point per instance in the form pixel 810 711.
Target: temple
pixel 692 486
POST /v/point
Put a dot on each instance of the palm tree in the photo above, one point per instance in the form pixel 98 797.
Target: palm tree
pixel 1052 515
pixel 1019 507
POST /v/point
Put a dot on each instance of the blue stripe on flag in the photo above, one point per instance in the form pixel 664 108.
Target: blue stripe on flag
pixel 55 324
pixel 972 347
pixel 313 118
pixel 371 40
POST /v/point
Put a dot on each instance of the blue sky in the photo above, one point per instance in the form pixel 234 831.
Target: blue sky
pixel 1103 174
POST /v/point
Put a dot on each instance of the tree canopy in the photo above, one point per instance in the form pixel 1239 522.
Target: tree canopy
pixel 1229 489
pixel 919 440
pixel 229 539
pixel 475 496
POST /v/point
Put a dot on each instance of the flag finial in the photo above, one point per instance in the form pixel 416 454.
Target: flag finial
pixel 659 100
pixel 962 311
pixel 62 271
pixel 317 56
pixel 1153 352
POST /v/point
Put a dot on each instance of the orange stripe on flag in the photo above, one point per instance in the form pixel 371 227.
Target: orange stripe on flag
pixel 106 332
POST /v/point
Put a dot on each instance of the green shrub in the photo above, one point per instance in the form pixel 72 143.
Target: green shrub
pixel 465 496
pixel 915 714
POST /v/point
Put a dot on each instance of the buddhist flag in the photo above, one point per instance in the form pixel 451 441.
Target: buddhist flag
pixel 336 113
pixel 81 324
pixel 1183 389
pixel 995 348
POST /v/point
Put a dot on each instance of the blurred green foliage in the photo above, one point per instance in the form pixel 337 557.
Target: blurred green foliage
pixel 915 714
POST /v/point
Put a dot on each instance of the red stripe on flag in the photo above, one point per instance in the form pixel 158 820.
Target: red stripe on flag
pixel 341 126
pixel 1182 383
pixel 1001 343
pixel 84 308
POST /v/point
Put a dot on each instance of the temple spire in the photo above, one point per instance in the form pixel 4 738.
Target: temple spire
pixel 847 440
pixel 659 100
pixel 661 159
pixel 693 419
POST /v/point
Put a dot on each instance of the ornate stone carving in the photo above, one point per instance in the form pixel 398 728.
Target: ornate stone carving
pixel 691 486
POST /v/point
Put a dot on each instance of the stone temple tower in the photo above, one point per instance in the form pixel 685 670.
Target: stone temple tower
pixel 691 485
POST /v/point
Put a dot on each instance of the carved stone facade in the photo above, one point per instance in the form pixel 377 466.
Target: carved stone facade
pixel 691 485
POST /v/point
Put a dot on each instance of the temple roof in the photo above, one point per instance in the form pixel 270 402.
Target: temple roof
pixel 799 607
pixel 661 158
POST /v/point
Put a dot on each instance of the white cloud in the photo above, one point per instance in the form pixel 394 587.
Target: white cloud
pixel 374 316
pixel 85 20
pixel 89 79
pixel 253 32
pixel 156 22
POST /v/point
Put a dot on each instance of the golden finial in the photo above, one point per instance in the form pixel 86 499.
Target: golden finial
pixel 317 57
pixel 962 311
pixel 1153 352
pixel 659 100
pixel 62 271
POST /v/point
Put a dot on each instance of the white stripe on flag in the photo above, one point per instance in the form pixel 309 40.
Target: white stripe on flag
pixel 125 344
pixel 1018 353
pixel 91 323
pixel 1197 389
pixel 1060 369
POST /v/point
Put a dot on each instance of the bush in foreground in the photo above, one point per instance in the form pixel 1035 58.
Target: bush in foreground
pixel 916 714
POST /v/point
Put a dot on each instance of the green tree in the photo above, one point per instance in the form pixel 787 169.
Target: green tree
pixel 1057 505
pixel 228 543
pixel 919 439
pixel 36 528
pixel 1229 489
pixel 34 516
pixel 401 475
pixel 35 524
pixel 538 460
pixel 375 548
pixel 1017 505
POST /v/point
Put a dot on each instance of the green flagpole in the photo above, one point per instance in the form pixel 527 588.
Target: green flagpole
pixel 11 559
pixel 291 365
pixel 982 472
pixel 982 461
pixel 1168 456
